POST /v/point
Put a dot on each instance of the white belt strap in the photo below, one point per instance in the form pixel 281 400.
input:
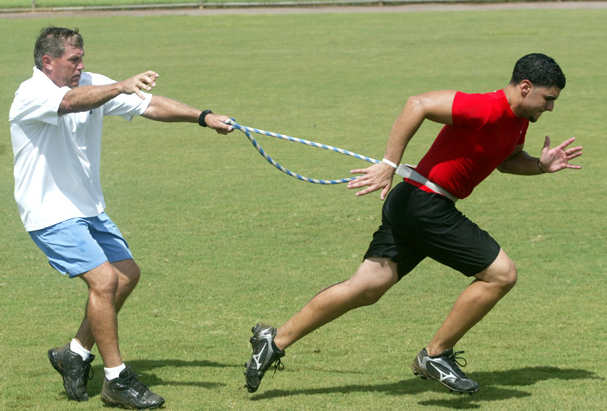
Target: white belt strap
pixel 407 171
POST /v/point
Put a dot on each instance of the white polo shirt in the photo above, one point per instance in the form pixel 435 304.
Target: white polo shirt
pixel 57 157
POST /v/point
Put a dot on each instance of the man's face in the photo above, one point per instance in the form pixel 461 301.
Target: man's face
pixel 67 69
pixel 539 99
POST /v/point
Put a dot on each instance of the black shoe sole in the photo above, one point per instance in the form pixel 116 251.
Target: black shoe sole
pixel 113 403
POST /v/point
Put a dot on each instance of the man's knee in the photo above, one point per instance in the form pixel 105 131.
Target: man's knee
pixel 373 279
pixel 129 271
pixel 501 273
pixel 508 279
pixel 370 296
pixel 102 281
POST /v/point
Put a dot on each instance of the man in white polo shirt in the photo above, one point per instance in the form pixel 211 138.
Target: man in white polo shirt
pixel 56 124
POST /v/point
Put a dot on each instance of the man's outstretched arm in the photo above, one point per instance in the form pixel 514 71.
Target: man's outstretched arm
pixel 551 160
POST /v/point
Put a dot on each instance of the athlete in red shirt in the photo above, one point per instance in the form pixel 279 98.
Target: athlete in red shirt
pixel 482 132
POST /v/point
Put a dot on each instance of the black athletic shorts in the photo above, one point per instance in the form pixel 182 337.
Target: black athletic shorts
pixel 417 224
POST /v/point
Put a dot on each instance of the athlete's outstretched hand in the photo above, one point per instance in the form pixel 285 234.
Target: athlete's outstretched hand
pixel 556 159
pixel 376 177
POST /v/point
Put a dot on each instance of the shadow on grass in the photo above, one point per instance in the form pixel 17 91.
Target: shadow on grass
pixel 495 386
pixel 145 372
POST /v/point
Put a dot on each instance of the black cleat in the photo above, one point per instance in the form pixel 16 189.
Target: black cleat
pixel 444 369
pixel 126 391
pixel 265 353
pixel 74 370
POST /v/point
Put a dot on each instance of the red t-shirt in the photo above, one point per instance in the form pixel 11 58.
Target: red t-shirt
pixel 484 133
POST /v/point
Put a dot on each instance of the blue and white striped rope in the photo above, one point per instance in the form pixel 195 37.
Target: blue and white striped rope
pixel 248 130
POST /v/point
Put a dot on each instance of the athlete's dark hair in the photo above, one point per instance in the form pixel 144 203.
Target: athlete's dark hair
pixel 540 70
pixel 52 40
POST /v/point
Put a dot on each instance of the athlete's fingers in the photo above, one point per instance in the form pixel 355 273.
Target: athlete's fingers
pixel 566 143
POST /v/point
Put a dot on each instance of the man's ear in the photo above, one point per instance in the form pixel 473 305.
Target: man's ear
pixel 46 63
pixel 526 86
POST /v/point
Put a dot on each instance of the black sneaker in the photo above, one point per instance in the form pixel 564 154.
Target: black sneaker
pixel 444 369
pixel 126 391
pixel 74 370
pixel 265 353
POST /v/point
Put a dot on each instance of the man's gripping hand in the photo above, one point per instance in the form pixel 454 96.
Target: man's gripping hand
pixel 218 123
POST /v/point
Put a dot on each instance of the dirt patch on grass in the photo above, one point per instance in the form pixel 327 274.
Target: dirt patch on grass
pixel 561 5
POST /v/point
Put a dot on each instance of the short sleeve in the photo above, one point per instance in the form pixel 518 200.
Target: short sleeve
pixel 37 105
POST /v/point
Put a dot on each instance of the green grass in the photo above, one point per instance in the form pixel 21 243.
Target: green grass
pixel 224 240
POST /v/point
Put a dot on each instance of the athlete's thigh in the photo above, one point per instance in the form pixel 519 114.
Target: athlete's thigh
pixel 378 274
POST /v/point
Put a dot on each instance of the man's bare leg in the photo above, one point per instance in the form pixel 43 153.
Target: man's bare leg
pixel 474 303
pixel 101 311
pixel 438 361
pixel 128 275
pixel 373 278
pixel 108 289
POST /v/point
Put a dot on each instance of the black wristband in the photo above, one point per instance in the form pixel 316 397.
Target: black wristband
pixel 539 166
pixel 202 117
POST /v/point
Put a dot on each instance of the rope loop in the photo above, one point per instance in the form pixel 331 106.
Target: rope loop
pixel 248 130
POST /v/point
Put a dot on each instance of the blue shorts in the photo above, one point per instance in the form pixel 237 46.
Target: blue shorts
pixel 78 245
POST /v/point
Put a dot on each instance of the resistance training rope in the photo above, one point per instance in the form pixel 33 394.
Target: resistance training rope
pixel 404 170
pixel 248 130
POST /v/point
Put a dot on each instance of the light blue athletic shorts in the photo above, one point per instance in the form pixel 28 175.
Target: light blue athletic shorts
pixel 78 245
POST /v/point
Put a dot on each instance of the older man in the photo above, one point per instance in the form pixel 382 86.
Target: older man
pixel 56 124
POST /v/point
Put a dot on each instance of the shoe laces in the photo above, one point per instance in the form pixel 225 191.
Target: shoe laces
pixel 457 359
pixel 88 372
pixel 278 366
pixel 132 381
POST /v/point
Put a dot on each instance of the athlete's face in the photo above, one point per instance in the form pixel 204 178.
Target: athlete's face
pixel 67 69
pixel 536 100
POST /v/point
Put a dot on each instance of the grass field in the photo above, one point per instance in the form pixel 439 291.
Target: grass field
pixel 224 240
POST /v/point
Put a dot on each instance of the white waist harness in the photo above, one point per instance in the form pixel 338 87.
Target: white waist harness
pixel 407 171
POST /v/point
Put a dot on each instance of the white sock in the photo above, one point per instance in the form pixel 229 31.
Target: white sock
pixel 113 373
pixel 76 347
